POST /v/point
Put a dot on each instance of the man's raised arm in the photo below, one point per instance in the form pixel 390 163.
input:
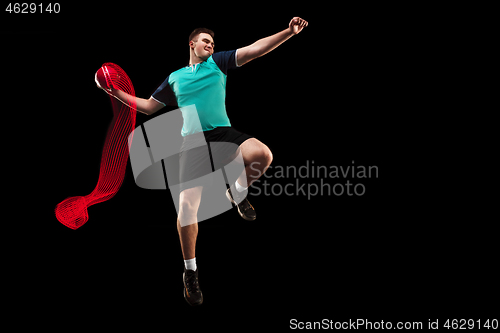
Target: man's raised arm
pixel 266 45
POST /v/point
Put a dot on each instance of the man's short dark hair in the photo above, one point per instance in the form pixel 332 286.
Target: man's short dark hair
pixel 198 31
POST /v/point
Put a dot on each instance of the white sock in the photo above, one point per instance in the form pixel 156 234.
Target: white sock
pixel 238 187
pixel 190 264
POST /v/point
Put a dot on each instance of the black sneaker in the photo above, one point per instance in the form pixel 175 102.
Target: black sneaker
pixel 192 292
pixel 245 209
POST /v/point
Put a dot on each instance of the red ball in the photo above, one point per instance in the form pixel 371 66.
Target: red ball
pixel 103 77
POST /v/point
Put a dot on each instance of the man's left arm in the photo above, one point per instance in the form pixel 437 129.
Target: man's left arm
pixel 266 45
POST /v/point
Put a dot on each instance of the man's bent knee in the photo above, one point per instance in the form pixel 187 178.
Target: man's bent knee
pixel 267 156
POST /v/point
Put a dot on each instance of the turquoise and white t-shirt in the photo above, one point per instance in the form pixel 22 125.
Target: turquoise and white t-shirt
pixel 202 85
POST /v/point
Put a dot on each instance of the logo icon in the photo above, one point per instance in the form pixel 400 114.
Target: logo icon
pixel 162 158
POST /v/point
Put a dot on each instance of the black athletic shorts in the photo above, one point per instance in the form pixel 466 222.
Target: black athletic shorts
pixel 205 152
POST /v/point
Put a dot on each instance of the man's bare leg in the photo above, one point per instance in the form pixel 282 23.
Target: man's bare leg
pixel 187 236
pixel 187 225
pixel 257 158
pixel 187 222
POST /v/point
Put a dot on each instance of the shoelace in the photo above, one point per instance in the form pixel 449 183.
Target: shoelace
pixel 245 205
pixel 192 283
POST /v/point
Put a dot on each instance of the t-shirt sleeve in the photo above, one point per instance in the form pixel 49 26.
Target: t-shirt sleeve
pixel 225 60
pixel 164 94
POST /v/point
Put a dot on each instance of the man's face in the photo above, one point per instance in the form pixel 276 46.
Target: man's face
pixel 204 46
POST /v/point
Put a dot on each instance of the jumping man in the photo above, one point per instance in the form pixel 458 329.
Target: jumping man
pixel 203 83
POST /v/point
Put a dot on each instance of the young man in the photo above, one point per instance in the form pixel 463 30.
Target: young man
pixel 202 83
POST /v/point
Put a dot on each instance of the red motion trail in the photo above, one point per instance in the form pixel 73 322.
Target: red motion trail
pixel 72 212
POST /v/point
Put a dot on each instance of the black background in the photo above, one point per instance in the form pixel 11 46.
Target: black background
pixel 350 87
